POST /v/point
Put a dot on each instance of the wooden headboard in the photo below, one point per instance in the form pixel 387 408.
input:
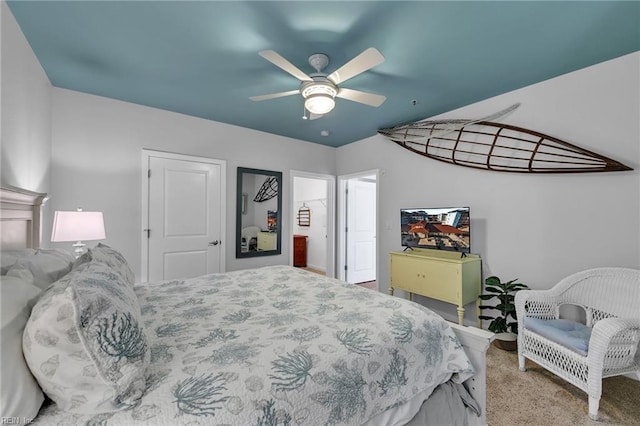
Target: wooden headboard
pixel 20 218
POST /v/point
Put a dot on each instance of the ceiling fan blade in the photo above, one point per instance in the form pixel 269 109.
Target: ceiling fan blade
pixel 364 61
pixel 274 95
pixel 275 58
pixel 370 99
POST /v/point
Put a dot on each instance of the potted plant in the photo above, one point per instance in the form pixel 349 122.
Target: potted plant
pixel 504 323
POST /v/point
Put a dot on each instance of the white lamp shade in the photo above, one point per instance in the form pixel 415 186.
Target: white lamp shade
pixel 77 226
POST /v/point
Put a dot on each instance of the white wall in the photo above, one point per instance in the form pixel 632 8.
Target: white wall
pixel 538 228
pixel 96 163
pixel 25 135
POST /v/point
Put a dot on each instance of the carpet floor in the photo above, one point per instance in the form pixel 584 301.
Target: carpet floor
pixel 538 397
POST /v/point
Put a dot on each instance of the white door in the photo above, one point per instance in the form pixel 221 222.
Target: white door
pixel 185 218
pixel 361 230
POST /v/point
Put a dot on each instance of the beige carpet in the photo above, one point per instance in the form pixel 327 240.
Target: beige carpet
pixel 315 271
pixel 537 397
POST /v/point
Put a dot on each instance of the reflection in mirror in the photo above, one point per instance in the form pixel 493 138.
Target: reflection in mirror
pixel 258 213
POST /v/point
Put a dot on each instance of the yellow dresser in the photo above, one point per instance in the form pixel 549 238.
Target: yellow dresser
pixel 267 241
pixel 437 274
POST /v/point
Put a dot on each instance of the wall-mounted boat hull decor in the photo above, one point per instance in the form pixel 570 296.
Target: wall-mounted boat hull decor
pixel 268 190
pixel 499 147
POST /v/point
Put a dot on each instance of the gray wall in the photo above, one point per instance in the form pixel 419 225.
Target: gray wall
pixel 96 163
pixel 538 228
pixel 25 130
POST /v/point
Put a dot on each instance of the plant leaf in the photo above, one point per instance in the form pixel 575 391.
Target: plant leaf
pixel 486 296
pixel 493 280
pixel 487 307
pixel 499 325
pixel 485 317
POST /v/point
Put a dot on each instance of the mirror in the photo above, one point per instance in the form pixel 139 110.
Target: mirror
pixel 258 213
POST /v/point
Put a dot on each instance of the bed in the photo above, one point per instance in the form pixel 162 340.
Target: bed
pixel 266 346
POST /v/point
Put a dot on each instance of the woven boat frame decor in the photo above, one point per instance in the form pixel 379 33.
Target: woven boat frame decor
pixel 268 190
pixel 499 147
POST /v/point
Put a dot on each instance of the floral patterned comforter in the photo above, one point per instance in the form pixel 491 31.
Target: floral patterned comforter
pixel 281 346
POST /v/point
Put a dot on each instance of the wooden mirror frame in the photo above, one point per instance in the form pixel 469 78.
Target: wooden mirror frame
pixel 241 209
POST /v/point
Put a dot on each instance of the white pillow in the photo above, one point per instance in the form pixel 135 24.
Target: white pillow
pixel 43 268
pixel 21 395
pixel 85 344
pixel 9 257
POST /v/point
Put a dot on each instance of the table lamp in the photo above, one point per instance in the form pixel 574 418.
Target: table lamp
pixel 77 226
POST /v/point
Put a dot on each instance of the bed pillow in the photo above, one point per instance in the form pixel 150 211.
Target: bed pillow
pixel 21 396
pixel 43 268
pixel 104 254
pixel 9 257
pixel 85 344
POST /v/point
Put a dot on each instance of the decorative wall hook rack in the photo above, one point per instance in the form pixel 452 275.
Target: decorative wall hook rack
pixel 304 216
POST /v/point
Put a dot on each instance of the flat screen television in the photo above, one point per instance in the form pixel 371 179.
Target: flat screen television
pixel 443 228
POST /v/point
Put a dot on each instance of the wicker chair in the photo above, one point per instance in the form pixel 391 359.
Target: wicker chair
pixel 611 301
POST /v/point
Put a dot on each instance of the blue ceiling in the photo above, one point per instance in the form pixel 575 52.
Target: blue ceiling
pixel 200 58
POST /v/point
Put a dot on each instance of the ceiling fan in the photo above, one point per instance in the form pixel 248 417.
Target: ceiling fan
pixel 318 89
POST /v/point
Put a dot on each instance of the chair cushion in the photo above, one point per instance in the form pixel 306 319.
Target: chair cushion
pixel 570 334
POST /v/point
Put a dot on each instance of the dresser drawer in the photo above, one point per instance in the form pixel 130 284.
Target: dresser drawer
pixel 266 240
pixel 445 276
pixel 429 279
pixel 300 250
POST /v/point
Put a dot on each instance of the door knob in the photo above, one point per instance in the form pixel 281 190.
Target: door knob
pixel 214 243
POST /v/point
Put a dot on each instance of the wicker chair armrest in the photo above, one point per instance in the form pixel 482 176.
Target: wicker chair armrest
pixel 537 303
pixel 614 344
pixel 612 331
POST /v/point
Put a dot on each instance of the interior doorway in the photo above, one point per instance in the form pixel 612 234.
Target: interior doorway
pixel 358 225
pixel 313 215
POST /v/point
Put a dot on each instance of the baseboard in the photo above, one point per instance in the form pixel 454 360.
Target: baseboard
pixel 317 268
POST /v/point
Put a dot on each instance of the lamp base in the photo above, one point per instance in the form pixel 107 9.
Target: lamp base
pixel 79 251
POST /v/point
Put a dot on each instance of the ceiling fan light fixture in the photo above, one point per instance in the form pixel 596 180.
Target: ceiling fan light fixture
pixel 318 97
pixel 320 90
pixel 319 103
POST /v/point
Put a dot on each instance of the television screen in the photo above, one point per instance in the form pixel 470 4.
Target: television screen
pixel 272 220
pixel 436 228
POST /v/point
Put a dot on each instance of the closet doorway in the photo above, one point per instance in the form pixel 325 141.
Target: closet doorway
pixel 357 222
pixel 313 216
